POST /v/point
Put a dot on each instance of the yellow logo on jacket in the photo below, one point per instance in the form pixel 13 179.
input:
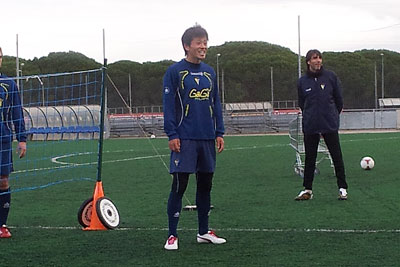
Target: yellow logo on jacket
pixel 203 94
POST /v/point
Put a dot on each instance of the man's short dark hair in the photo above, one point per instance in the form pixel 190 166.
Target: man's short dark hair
pixel 310 54
pixel 191 33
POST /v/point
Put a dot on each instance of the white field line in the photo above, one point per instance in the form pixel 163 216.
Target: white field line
pixel 41 169
pixel 273 230
pixel 63 164
pixel 58 160
pixel 370 139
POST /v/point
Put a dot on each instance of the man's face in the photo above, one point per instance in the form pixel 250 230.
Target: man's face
pixel 197 50
pixel 315 63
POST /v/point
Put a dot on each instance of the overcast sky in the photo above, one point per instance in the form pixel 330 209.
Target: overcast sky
pixel 150 30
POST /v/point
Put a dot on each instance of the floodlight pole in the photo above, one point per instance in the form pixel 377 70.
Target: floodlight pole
pixel 17 63
pixel 299 55
pixel 20 84
pixel 383 78
pixel 218 55
pixel 223 87
pixel 272 87
pixel 130 94
pixel 376 88
pixel 86 89
pixel 218 85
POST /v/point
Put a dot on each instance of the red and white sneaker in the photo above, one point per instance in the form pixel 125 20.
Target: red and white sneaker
pixel 172 243
pixel 304 195
pixel 4 232
pixel 210 237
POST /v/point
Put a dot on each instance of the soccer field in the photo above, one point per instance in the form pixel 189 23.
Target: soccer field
pixel 254 209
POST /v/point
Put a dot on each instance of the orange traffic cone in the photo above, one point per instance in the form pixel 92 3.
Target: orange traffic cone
pixel 95 223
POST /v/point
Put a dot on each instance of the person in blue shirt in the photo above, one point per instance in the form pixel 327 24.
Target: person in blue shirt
pixel 194 125
pixel 11 113
pixel 321 102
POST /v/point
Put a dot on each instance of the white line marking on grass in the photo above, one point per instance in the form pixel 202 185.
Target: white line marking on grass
pixel 68 164
pixel 136 158
pixel 58 161
pixel 273 230
pixel 256 147
pixel 42 169
pixel 370 139
pixel 315 230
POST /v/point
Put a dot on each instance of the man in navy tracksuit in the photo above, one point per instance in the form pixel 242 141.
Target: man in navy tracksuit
pixel 320 99
pixel 10 114
pixel 194 125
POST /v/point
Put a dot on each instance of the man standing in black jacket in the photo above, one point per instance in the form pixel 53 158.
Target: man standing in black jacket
pixel 320 100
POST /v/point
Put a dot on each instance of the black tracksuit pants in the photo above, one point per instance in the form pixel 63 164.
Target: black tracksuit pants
pixel 311 142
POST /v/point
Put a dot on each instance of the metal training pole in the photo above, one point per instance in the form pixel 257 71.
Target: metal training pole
pixel 102 211
pixel 95 223
pixel 102 115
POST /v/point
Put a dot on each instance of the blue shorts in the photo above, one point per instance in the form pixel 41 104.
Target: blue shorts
pixel 6 165
pixel 195 156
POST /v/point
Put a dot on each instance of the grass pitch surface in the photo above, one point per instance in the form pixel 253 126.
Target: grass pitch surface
pixel 254 209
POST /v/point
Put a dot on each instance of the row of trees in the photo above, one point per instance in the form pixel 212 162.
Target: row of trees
pixel 247 73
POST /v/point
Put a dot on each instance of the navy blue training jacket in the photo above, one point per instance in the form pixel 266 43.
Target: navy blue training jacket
pixel 320 99
pixel 191 104
pixel 10 111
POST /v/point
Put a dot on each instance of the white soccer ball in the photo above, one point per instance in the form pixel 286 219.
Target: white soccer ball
pixel 152 136
pixel 367 163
